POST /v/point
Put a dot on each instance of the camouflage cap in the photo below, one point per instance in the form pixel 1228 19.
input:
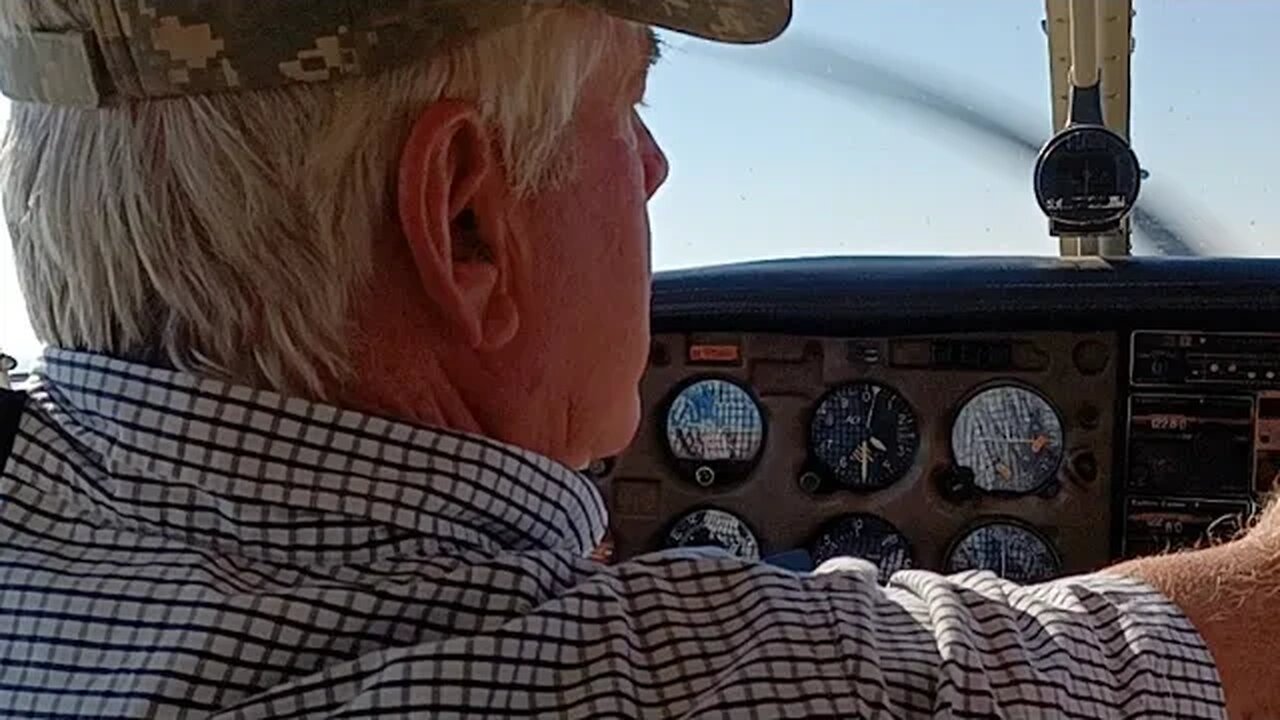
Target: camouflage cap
pixel 141 49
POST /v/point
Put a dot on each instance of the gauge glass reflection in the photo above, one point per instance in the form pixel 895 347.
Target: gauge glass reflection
pixel 714 421
pixel 868 537
pixel 1010 550
pixel 864 436
pixel 1010 437
pixel 711 527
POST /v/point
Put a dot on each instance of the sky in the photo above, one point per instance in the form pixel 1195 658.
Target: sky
pixel 765 165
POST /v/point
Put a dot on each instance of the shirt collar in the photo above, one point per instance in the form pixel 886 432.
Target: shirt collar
pixel 254 467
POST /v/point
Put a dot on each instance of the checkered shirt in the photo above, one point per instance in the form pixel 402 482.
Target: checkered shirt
pixel 179 547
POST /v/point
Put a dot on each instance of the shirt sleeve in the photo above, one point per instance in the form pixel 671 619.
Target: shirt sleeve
pixel 680 636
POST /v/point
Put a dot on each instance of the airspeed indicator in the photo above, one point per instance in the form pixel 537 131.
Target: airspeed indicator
pixel 863 436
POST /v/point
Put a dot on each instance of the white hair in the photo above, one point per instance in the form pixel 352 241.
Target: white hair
pixel 225 235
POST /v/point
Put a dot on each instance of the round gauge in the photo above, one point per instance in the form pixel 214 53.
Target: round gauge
pixel 710 527
pixel 714 430
pixel 1009 549
pixel 864 436
pixel 864 536
pixel 1010 438
pixel 1087 177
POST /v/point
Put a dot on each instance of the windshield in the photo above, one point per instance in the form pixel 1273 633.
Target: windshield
pixel 903 146
pixel 773 155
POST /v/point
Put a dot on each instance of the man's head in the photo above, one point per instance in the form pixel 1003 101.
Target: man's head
pixel 453 236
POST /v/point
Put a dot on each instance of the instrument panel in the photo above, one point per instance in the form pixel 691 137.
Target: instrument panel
pixel 1030 455
pixel 952 452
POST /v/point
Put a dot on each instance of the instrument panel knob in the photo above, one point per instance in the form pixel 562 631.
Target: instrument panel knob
pixel 957 484
pixel 1091 357
pixel 1084 466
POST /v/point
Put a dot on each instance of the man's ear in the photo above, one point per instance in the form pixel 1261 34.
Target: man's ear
pixel 452 194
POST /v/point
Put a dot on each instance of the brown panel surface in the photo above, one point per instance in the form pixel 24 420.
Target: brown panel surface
pixel 790 374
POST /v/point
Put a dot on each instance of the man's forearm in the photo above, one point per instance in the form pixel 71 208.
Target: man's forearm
pixel 1228 593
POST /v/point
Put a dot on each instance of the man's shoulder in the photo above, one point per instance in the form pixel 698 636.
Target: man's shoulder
pixel 175 625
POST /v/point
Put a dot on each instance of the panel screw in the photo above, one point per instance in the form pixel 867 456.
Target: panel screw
pixel 810 482
pixel 1089 417
pixel 600 468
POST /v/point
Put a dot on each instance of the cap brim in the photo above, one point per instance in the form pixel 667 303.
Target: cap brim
pixel 731 21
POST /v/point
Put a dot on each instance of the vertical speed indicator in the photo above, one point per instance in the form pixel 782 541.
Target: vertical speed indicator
pixel 1009 549
pixel 863 436
pixel 864 536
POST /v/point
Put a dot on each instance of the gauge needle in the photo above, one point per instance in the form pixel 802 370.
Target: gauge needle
pixel 865 451
pixel 875 443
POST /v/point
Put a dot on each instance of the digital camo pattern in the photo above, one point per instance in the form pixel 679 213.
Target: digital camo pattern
pixel 159 48
pixel 714 420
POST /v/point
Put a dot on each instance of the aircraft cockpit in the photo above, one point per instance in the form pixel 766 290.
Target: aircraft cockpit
pixel 1114 394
